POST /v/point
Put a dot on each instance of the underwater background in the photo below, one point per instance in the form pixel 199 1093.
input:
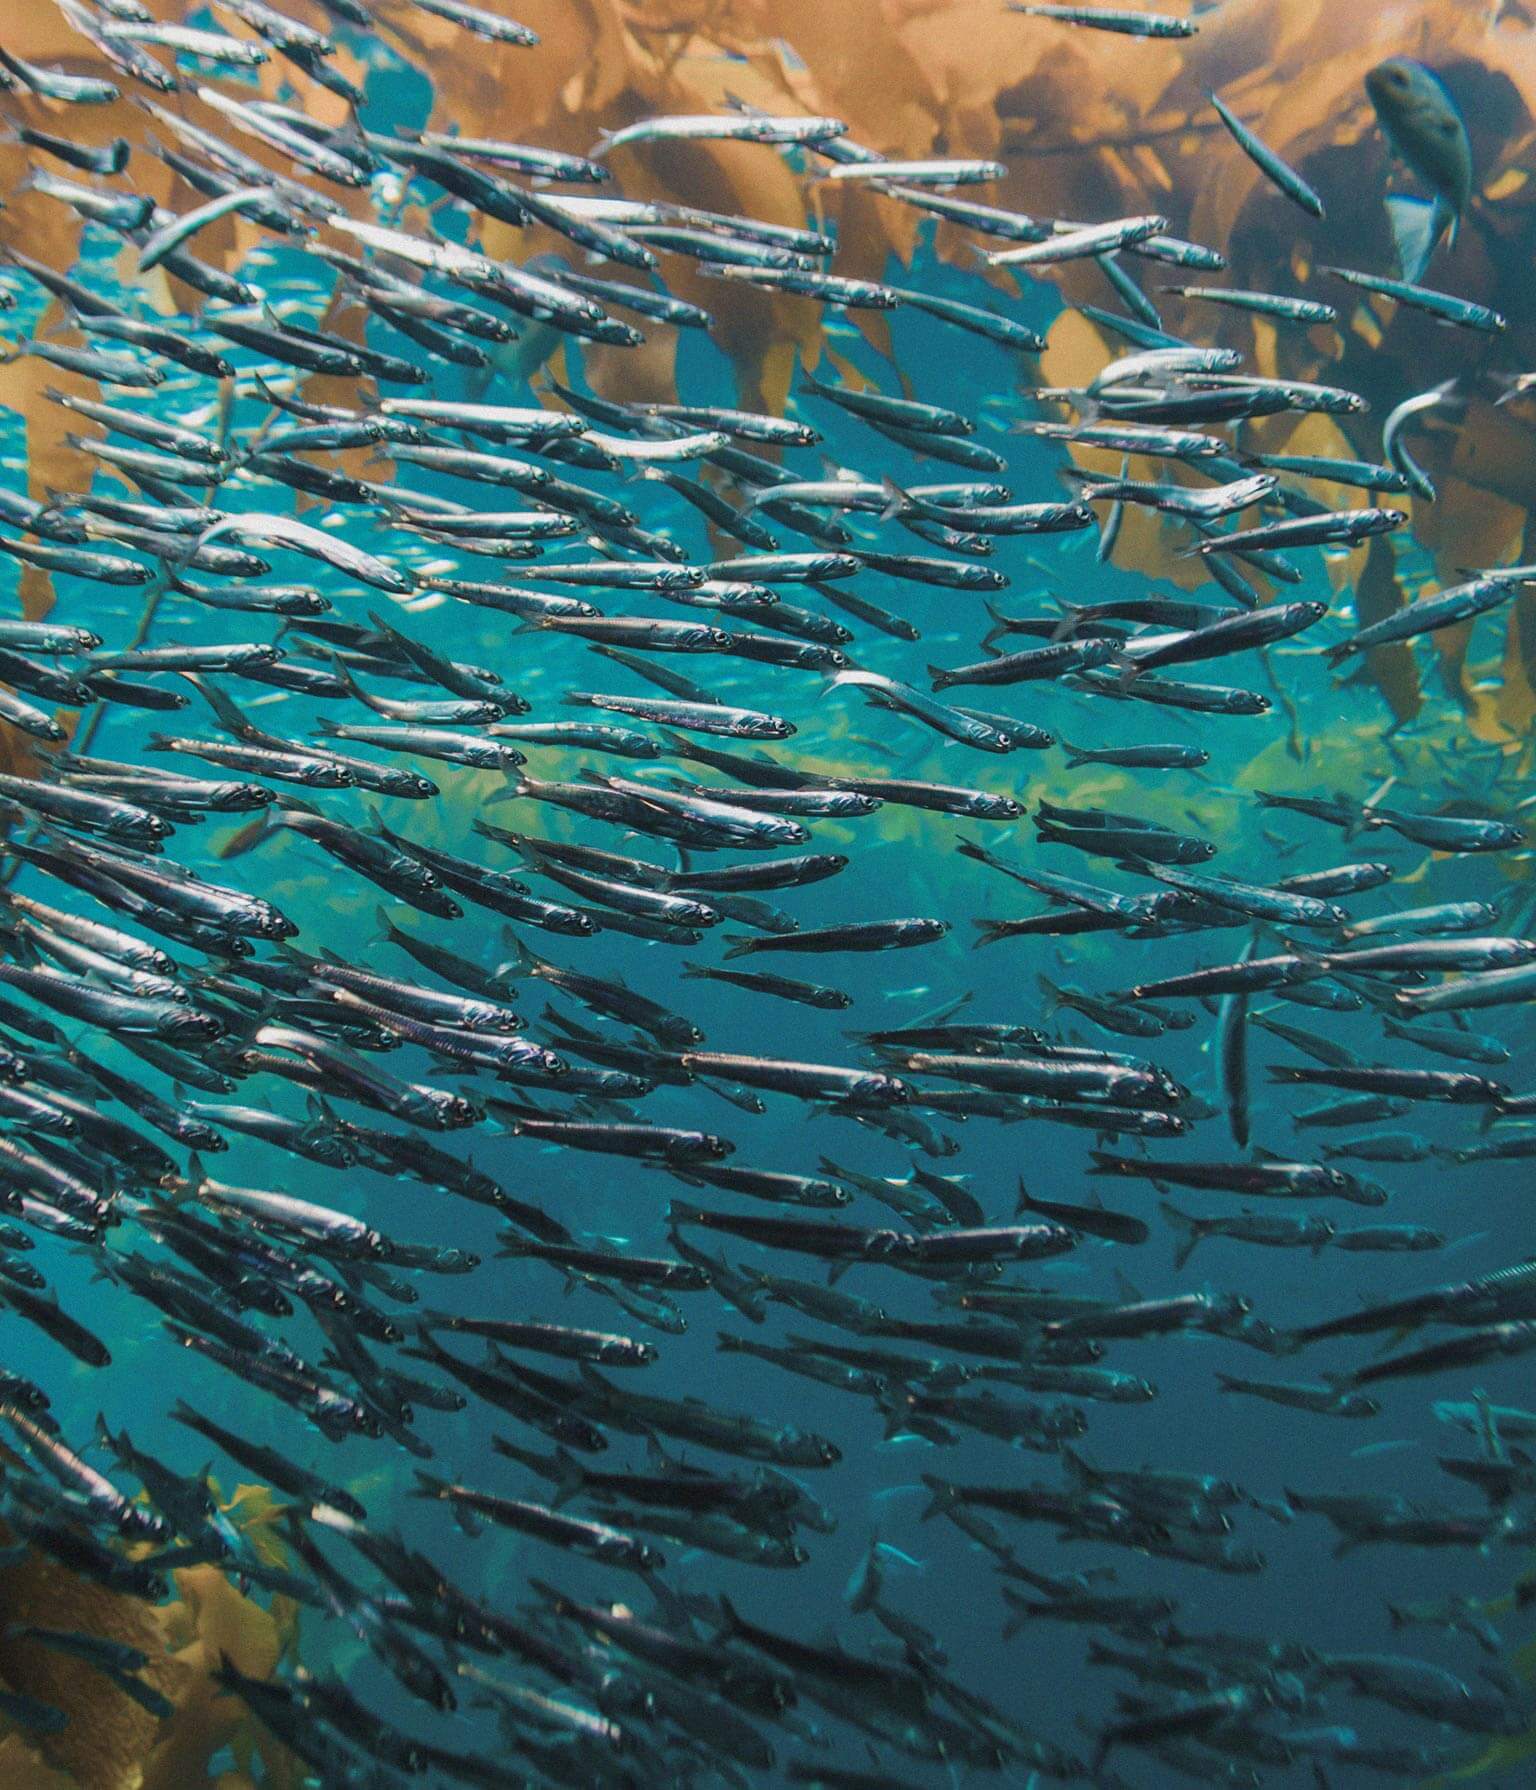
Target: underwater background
pixel 1092 124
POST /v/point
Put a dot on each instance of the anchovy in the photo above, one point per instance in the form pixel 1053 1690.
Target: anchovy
pixel 1462 603
pixel 1121 20
pixel 1073 244
pixel 1266 304
pixel 1277 904
pixel 1439 305
pixel 717 718
pixel 868 935
pixel 1410 1084
pixel 969 728
pixel 807 994
pixel 1338 526
pixel 1267 1179
pixel 1447 832
pixel 1495 988
pixel 1394 449
pixel 1278 172
pixel 994 326
pixel 935 171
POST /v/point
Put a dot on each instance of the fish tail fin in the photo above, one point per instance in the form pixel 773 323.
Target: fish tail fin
pixel 1417 226
pixel 514 787
pixel 519 961
pixel 571 1477
pixel 992 931
pixel 1024 1202
pixel 1076 755
pixel 941 678
pixel 944 1497
pixel 1228 1383
pixel 247 838
pixel 428 1485
pixel 1190 1229
pixel 350 683
pixel 1078 1470
pixel 550 1595
pixel 740 944
pixel 897 500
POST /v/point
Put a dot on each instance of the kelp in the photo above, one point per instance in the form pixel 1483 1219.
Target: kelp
pixel 109 1742
pixel 49 232
pixel 1089 129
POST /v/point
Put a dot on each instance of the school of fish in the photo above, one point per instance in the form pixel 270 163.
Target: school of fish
pixel 707 677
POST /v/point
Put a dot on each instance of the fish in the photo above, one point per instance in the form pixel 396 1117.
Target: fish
pixel 1113 1227
pixel 1327 1400
pixel 1076 244
pixel 1338 526
pixel 1274 169
pixel 1426 131
pixel 1121 20
pixel 1272 1230
pixel 1442 306
pixel 443 1156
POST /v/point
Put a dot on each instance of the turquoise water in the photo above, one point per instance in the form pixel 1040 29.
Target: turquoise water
pixel 1321 737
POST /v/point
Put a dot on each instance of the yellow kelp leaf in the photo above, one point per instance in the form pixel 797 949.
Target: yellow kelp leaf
pixel 258 1516
pixel 109 1742
pixel 1075 350
pixel 213 1621
pixel 22 1768
pixel 107 1736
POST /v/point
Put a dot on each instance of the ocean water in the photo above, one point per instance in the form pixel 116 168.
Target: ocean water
pixel 1323 735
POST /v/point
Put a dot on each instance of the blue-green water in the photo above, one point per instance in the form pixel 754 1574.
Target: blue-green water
pixel 1320 737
